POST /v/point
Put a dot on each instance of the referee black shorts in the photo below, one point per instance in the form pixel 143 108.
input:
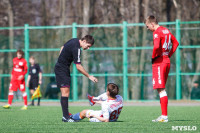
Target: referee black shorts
pixel 63 78
pixel 33 84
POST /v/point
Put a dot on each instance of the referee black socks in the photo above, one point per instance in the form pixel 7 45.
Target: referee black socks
pixel 64 104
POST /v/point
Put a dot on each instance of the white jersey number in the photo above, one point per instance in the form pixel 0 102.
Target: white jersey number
pixel 166 45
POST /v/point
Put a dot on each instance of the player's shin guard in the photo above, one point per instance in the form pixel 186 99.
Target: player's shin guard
pixel 163 102
pixel 10 98
pixel 76 117
pixel 25 98
pixel 64 105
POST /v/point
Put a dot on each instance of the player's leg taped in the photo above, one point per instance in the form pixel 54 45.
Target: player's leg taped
pixel 163 102
pixel 25 98
pixel 10 97
pixel 163 93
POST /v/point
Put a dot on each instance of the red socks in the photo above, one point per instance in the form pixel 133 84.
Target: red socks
pixel 25 99
pixel 10 98
pixel 164 102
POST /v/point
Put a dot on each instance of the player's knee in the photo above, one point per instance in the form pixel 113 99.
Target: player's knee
pixel 10 91
pixel 83 113
pixel 160 90
pixel 65 92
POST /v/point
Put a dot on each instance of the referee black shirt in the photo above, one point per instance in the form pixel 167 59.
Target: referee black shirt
pixel 34 71
pixel 70 52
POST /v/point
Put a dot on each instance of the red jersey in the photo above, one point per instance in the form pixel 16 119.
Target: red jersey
pixel 19 67
pixel 162 40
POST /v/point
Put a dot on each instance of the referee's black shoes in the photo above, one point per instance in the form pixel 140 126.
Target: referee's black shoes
pixel 67 119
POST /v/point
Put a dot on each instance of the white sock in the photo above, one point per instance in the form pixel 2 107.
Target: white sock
pixel 165 117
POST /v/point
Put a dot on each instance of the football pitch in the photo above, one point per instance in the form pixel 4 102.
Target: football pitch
pixel 132 119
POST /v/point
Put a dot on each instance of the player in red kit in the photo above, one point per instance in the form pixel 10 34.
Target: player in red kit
pixel 17 79
pixel 162 41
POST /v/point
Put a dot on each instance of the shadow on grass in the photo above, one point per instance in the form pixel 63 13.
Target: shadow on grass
pixel 180 120
pixel 119 121
pixel 100 122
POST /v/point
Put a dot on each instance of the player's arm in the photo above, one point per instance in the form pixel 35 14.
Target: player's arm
pixel 28 80
pixel 40 75
pixel 77 61
pixel 156 46
pixel 25 68
pixel 40 78
pixel 84 72
pixel 24 72
pixel 101 97
pixel 174 45
pixel 61 49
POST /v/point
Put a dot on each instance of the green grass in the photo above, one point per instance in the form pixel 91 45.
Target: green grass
pixel 132 119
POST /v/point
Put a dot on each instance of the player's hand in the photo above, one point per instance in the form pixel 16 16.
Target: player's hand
pixel 20 77
pixel 27 84
pixel 90 116
pixel 93 79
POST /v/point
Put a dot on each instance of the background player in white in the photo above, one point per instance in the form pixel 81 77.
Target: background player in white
pixel 111 106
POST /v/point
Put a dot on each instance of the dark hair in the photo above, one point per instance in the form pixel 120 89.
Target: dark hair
pixel 89 39
pixel 113 89
pixel 21 52
pixel 151 19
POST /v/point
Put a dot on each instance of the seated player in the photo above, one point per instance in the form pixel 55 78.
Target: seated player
pixel 111 106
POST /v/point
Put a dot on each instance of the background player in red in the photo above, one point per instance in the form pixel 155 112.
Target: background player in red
pixel 162 40
pixel 17 79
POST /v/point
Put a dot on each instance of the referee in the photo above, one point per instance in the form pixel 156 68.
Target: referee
pixel 34 78
pixel 71 51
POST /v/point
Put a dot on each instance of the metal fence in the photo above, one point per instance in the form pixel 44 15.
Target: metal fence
pixel 124 47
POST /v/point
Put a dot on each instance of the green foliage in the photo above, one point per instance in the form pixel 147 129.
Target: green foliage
pixel 132 119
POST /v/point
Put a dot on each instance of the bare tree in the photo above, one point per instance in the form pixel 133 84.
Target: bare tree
pixel 11 24
pixel 85 31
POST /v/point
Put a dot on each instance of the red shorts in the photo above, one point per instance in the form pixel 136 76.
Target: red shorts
pixel 15 84
pixel 160 74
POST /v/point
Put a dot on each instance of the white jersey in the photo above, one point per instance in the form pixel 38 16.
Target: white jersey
pixel 111 108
